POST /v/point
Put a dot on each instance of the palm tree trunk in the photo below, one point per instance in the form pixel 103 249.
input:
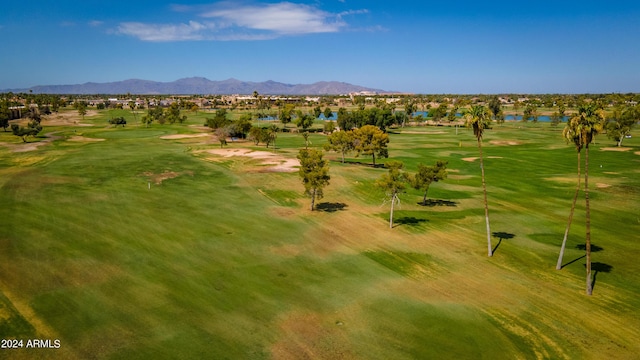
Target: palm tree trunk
pixel 588 219
pixel 566 231
pixel 486 206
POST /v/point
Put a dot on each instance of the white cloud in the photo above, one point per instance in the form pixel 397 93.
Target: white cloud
pixel 281 18
pixel 95 23
pixel 164 32
pixel 229 21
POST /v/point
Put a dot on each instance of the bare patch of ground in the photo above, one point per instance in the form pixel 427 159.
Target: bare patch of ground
pixel 505 142
pixel 31 146
pixel 182 136
pixel 425 132
pixel 83 139
pixel 615 149
pixel 166 175
pixel 472 159
pixel 602 185
pixel 311 336
pixel 277 163
pixel 637 152
pixel 67 118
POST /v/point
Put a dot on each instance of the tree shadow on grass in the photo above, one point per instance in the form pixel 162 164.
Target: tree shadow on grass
pixel 437 202
pixel 409 220
pixel 331 207
pixel 501 235
pixel 596 268
pixel 377 166
pixel 594 248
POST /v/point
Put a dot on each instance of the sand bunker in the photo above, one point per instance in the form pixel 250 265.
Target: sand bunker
pixel 182 136
pixel 615 149
pixel 472 159
pixel 279 163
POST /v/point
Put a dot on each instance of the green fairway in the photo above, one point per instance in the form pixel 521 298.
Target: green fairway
pixel 123 244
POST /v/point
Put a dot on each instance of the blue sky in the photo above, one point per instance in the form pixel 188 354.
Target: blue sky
pixel 456 46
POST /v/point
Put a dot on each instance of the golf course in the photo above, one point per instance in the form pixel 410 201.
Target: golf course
pixel 159 241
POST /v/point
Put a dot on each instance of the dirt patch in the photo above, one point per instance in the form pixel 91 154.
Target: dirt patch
pixel 311 336
pixel 602 185
pixel 67 118
pixel 182 136
pixel 615 149
pixel 83 139
pixel 275 162
pixel 31 146
pixel 472 159
pixel 166 175
pixel 424 132
pixel 505 142
pixel 637 152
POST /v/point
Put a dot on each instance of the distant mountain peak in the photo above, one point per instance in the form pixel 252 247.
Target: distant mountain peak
pixel 200 85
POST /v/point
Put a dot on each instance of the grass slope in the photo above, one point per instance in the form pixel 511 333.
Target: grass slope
pixel 140 247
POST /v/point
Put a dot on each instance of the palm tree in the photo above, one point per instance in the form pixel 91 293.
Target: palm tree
pixel 570 133
pixel 479 119
pixel 588 125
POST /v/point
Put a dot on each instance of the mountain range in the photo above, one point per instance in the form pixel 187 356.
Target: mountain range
pixel 200 85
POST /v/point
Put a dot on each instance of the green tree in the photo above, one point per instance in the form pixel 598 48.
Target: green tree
pixel 427 175
pixel 31 130
pixel 304 121
pixel 621 121
pixel 243 125
pixel 329 127
pixel 478 118
pixel 5 113
pixel 317 111
pixel 219 120
pixel 271 135
pixel 495 106
pixel 340 141
pixel 409 109
pixel 370 140
pixel 314 172
pixel 393 183
pixel 345 119
pixel 451 116
pixel 118 121
pixel 327 113
pixel 286 114
pixel 255 134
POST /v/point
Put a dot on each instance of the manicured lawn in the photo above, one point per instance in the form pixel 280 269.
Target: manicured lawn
pixel 125 245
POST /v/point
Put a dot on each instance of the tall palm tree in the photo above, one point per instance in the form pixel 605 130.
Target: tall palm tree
pixel 590 124
pixel 570 134
pixel 479 119
pixel 586 124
